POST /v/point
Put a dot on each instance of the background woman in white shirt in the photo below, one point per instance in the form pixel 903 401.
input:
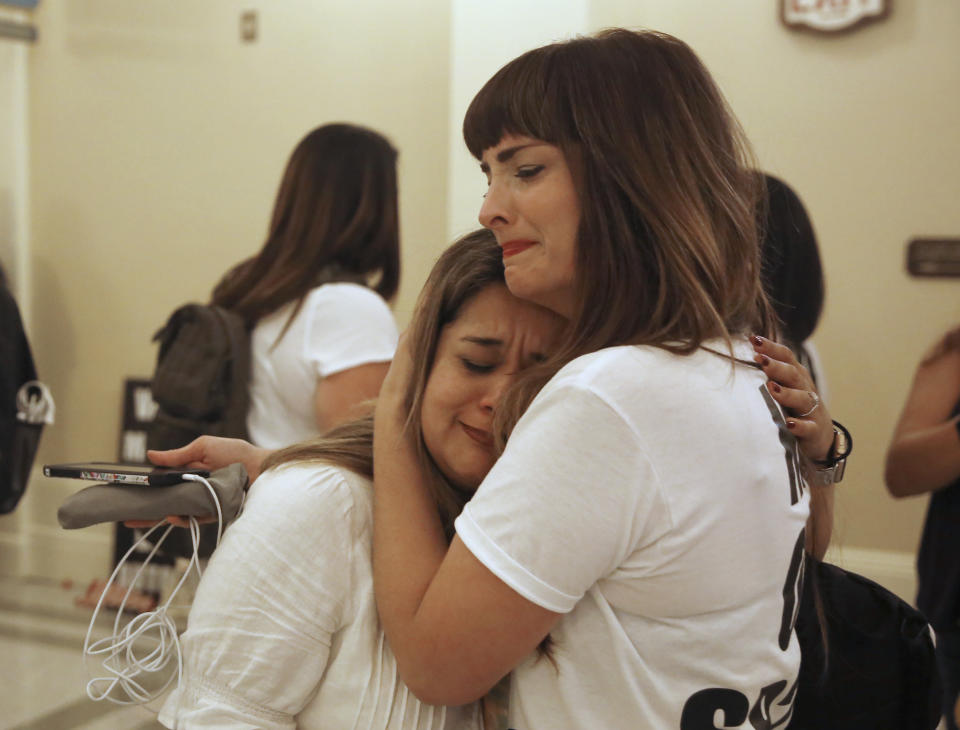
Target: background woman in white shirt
pixel 647 511
pixel 322 339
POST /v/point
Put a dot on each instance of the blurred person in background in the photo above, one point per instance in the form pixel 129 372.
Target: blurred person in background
pixel 321 339
pixel 924 458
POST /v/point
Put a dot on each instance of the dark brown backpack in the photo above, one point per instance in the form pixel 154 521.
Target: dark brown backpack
pixel 201 381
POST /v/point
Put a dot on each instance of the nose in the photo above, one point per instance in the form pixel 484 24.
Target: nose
pixel 494 391
pixel 493 212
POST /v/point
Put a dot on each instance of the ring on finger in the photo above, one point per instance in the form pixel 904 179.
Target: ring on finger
pixel 815 404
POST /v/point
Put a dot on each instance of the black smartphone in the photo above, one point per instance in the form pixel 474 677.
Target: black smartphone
pixel 138 474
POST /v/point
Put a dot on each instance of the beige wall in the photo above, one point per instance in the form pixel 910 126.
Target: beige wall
pixel 864 126
pixel 157 143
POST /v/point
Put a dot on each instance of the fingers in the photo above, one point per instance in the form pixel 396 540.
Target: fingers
pixel 803 429
pixel 780 364
pixel 790 376
pixel 773 350
pixel 802 402
pixel 394 386
pixel 191 455
pixel 792 387
pixel 814 431
pixel 177 520
pixel 184 521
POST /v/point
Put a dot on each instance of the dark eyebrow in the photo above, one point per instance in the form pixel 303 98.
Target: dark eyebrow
pixel 483 341
pixel 504 155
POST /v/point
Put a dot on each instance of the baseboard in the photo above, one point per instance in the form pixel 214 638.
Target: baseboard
pixel 894 570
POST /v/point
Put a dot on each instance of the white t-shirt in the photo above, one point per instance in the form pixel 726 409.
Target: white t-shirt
pixel 340 326
pixel 653 499
pixel 283 631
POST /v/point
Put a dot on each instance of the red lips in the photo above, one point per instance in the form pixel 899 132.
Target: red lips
pixel 512 248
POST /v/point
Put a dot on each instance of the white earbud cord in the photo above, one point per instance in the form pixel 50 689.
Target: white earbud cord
pixel 120 658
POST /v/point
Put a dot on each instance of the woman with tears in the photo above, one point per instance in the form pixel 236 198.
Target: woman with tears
pixel 647 512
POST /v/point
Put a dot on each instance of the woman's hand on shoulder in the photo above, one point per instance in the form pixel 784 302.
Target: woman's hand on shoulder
pixel 792 386
pixel 390 410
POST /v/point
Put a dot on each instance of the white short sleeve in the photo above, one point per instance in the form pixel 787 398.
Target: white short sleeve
pixel 347 325
pixel 571 497
pixel 273 595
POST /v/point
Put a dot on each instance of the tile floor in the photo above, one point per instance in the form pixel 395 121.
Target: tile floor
pixel 42 677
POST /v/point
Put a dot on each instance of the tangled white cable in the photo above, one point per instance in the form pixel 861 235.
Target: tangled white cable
pixel 126 662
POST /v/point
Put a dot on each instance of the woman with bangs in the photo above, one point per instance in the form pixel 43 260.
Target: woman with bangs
pixel 648 513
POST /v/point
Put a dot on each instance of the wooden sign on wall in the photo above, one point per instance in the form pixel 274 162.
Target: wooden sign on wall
pixel 831 16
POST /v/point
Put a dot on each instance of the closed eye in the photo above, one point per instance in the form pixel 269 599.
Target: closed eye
pixel 476 367
pixel 528 171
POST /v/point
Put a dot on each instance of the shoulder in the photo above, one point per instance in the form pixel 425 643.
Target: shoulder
pixel 346 294
pixel 311 479
pixel 632 368
pixel 941 357
pixel 346 307
pixel 308 493
pixel 639 379
pixel 623 360
pixel 939 368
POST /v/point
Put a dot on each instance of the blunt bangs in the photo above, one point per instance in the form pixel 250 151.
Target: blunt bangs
pixel 526 97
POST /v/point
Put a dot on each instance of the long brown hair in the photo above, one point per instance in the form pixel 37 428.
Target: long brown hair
pixel 667 250
pixel 335 217
pixel 792 271
pixel 464 270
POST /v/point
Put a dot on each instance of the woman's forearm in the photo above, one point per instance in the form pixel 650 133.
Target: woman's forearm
pixel 820 522
pixel 924 460
pixel 408 540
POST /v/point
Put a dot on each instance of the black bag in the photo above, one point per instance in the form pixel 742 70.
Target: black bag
pixel 201 381
pixel 880 671
pixel 18 439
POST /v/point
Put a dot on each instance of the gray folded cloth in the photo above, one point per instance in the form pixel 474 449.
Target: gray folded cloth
pixel 120 502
